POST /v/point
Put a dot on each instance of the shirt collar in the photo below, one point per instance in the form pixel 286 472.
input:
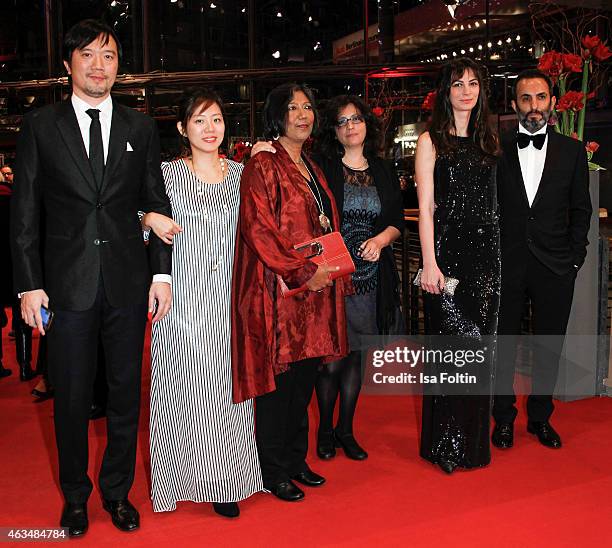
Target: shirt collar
pixel 541 130
pixel 81 107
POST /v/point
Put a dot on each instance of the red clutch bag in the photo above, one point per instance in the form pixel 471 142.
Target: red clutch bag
pixel 328 250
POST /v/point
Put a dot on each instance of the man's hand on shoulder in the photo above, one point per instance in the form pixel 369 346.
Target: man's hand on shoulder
pixel 31 301
pixel 160 299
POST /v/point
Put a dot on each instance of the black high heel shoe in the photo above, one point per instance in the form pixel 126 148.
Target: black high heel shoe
pixel 4 372
pixel 350 446
pixel 447 466
pixel 42 395
pixel 325 445
pixel 227 509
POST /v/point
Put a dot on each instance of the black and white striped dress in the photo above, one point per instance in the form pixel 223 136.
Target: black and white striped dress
pixel 202 445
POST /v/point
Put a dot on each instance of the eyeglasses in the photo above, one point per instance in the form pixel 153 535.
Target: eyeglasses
pixel 355 119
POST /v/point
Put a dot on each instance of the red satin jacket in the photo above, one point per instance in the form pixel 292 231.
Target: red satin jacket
pixel 269 332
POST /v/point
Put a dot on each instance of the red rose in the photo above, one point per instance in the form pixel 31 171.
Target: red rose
pixel 601 52
pixel 378 111
pixel 551 63
pixel 574 135
pixel 591 42
pixel 572 100
pixel 592 146
pixel 429 101
pixel 572 62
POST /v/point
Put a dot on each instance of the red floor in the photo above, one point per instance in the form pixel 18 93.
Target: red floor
pixel 528 496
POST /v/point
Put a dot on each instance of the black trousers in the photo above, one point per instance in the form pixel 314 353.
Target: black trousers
pixel 551 301
pixel 72 354
pixel 281 423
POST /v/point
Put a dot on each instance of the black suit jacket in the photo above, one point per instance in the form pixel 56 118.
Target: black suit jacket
pixel 88 232
pixel 556 225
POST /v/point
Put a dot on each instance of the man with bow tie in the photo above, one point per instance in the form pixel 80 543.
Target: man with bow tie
pixel 545 212
pixel 85 168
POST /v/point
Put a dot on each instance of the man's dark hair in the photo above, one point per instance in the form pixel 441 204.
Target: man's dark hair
pixel 84 33
pixel 530 74
pixel 276 108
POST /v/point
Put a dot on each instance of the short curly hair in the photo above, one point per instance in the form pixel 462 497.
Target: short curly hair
pixel 326 142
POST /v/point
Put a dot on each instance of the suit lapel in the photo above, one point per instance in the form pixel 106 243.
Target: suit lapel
pixel 71 134
pixel 117 144
pixel 514 163
pixel 550 160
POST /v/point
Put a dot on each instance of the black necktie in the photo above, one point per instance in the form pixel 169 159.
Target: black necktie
pixel 96 150
pixel 538 140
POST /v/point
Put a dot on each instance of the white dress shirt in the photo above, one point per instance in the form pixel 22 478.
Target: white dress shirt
pixel 84 120
pixel 532 163
pixel 106 117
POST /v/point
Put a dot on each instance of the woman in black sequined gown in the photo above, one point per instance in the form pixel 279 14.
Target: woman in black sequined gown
pixel 455 172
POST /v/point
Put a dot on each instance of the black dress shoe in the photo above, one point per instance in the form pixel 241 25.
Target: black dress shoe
pixel 325 445
pixel 74 516
pixel 287 490
pixel 447 466
pixel 25 372
pixel 124 516
pixel 546 434
pixel 309 478
pixel 4 372
pixel 227 509
pixel 503 435
pixel 351 448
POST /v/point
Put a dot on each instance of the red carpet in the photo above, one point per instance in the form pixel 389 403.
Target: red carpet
pixel 528 496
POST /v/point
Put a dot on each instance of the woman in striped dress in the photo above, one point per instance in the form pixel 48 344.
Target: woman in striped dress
pixel 202 444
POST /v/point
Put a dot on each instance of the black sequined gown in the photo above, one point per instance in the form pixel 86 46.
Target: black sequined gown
pixel 466 238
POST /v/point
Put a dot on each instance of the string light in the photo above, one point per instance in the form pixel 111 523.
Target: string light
pixel 276 54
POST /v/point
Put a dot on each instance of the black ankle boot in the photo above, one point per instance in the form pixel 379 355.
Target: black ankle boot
pixel 23 348
pixel 325 445
pixel 351 448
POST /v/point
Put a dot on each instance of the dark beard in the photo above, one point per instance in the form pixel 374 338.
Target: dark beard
pixel 534 125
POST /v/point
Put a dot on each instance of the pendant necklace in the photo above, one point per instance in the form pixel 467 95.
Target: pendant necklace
pixel 200 183
pixel 323 219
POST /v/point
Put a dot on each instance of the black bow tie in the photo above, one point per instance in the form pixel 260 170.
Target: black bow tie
pixel 538 140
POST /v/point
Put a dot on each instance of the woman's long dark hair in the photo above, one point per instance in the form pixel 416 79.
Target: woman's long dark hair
pixel 192 101
pixel 326 142
pixel 442 127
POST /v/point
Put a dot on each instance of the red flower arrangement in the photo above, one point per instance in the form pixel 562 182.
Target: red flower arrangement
pixel 240 151
pixel 593 46
pixel 592 146
pixel 571 104
pixel 429 101
pixel 572 100
pixel 552 64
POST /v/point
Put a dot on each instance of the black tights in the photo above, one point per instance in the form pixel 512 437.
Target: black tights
pixel 343 377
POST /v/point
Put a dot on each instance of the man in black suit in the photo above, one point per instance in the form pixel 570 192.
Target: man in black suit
pixel 545 212
pixel 88 165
